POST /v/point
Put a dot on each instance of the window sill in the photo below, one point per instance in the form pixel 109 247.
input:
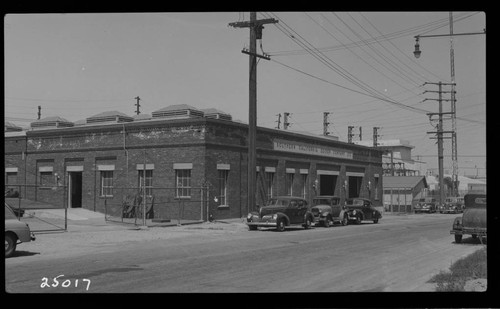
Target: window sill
pixel 182 198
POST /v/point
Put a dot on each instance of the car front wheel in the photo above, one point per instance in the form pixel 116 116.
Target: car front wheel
pixel 327 222
pixel 458 238
pixel 375 221
pixel 252 227
pixel 10 245
pixel 307 224
pixel 280 225
pixel 345 220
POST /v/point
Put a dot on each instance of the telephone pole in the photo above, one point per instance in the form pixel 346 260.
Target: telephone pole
pixel 138 105
pixel 375 136
pixel 39 112
pixel 350 134
pixel 325 123
pixel 256 27
pixel 439 134
pixel 286 123
pixel 454 150
pixel 278 121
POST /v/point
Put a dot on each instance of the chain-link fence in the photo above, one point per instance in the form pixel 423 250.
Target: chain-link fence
pixel 142 206
pixel 44 208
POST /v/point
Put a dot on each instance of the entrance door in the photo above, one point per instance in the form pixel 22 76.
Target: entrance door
pixel 354 186
pixel 327 184
pixel 75 189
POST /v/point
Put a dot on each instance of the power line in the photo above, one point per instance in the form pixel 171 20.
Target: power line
pixel 337 68
pixel 390 36
pixel 352 51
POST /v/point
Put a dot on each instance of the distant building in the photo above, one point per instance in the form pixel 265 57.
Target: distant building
pixel 397 159
pixel 400 191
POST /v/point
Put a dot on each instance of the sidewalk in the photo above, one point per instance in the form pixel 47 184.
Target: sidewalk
pixel 80 219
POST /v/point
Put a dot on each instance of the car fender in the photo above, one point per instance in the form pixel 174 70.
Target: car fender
pixel 457 224
pixel 342 214
pixel 280 215
pixel 358 212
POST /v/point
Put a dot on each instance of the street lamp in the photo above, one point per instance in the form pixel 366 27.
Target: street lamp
pixel 417 51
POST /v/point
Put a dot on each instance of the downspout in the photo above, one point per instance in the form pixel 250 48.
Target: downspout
pixel 126 151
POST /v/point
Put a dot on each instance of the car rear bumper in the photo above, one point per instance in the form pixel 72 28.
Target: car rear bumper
pixel 479 232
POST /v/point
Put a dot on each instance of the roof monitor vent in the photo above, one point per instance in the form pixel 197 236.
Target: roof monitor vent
pixel 111 116
pixel 51 123
pixel 178 111
pixel 213 113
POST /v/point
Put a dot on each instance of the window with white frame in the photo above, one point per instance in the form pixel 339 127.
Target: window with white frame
pixel 304 185
pixel 46 176
pixel 222 179
pixel 11 178
pixel 183 183
pixel 270 184
pixel 375 188
pixel 106 183
pixel 148 185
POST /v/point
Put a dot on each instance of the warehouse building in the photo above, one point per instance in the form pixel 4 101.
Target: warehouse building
pixel 172 156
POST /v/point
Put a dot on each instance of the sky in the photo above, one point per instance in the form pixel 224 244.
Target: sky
pixel 358 66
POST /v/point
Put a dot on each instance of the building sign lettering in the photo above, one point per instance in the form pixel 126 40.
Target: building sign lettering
pixel 311 149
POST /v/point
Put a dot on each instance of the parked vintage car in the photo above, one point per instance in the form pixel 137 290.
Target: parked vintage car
pixel 327 210
pixel 428 204
pixel 360 209
pixel 452 205
pixel 280 212
pixel 473 220
pixel 15 231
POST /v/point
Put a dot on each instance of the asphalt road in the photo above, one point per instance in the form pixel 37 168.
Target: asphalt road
pixel 400 253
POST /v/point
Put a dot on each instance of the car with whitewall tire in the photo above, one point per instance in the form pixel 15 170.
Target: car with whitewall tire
pixel 281 212
pixel 473 220
pixel 16 232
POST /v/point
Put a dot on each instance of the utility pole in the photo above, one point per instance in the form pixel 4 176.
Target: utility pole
pixel 256 27
pixel 138 105
pixel 325 123
pixel 39 112
pixel 454 150
pixel 375 136
pixel 350 134
pixel 360 133
pixel 417 53
pixel 278 121
pixel 286 123
pixel 440 136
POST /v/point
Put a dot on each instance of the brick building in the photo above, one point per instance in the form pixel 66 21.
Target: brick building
pixel 176 151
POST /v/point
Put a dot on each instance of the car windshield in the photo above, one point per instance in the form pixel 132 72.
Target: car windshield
pixel 355 202
pixel 277 202
pixel 9 214
pixel 429 200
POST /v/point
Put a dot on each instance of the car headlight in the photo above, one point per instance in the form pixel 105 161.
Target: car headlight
pixel 354 212
pixel 249 216
pixel 275 216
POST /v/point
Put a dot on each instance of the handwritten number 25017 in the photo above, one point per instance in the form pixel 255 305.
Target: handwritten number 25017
pixel 64 283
